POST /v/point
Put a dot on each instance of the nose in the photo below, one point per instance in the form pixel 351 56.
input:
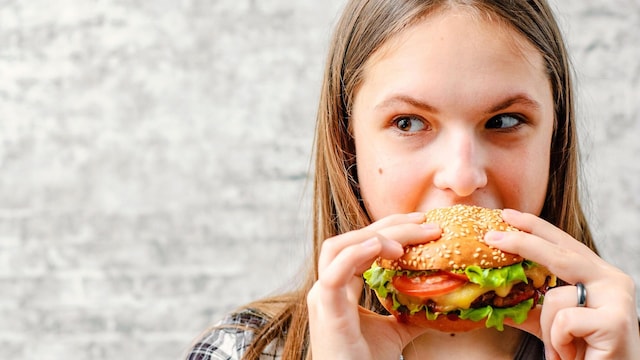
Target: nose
pixel 462 164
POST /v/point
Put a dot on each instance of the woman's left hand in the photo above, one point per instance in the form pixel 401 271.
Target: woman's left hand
pixel 607 327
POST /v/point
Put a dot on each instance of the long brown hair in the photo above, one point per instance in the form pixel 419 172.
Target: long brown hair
pixel 364 27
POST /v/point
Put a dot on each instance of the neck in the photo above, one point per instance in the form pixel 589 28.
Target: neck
pixel 482 343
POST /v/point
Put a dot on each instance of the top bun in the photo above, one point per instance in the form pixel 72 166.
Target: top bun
pixel 461 244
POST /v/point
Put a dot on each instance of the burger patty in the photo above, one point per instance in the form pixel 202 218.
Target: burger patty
pixel 519 293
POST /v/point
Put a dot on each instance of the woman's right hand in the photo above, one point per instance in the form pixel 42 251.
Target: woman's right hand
pixel 339 327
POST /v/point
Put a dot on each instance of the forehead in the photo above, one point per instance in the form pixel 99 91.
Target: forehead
pixel 457 53
pixel 468 21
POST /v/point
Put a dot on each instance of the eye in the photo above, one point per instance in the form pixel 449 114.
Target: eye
pixel 504 122
pixel 409 123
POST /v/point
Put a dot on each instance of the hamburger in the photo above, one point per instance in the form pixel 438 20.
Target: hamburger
pixel 458 282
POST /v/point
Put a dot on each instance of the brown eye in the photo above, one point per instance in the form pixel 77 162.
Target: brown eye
pixel 410 123
pixel 504 121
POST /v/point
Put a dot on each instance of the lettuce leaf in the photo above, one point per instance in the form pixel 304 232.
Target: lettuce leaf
pixel 378 278
pixel 497 277
pixel 495 316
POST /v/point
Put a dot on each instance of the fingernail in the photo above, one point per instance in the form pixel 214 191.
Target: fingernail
pixel 510 212
pixel 417 216
pixel 429 226
pixel 370 243
pixel 494 236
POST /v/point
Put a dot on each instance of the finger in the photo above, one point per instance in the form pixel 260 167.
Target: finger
pixel 333 245
pixel 340 272
pixel 563 262
pixel 410 234
pixel 555 300
pixel 534 225
pixel 331 248
pixel 538 322
pixel 406 229
pixel 540 318
pixel 341 275
pixel 569 327
pixel 333 293
pixel 397 219
pixel 393 238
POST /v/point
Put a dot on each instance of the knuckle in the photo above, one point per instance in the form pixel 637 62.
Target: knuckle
pixel 562 319
pixel 627 283
pixel 329 245
pixel 312 296
pixel 324 281
pixel 618 319
pixel 565 260
pixel 553 298
pixel 391 219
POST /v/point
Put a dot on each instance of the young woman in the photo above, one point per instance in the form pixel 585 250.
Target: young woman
pixel 428 104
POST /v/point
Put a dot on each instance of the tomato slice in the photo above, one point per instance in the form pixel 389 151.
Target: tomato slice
pixel 435 284
pixel 461 276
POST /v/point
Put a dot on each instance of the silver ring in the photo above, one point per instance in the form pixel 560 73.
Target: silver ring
pixel 582 294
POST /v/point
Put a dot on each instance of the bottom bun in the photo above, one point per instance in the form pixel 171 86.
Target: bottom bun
pixel 442 323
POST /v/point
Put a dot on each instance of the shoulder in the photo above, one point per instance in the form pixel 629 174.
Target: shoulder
pixel 230 338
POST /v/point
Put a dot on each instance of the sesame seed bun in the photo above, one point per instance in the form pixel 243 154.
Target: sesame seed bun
pixel 461 244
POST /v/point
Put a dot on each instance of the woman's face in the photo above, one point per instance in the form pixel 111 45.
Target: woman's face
pixel 455 109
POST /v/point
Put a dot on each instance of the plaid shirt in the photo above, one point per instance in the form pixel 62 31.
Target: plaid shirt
pixel 229 339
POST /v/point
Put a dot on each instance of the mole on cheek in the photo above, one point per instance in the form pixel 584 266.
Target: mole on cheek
pixel 380 171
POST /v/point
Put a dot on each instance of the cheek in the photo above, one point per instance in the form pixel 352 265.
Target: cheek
pixel 523 181
pixel 388 186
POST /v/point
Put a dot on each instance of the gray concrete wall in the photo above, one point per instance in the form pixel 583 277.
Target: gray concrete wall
pixel 154 157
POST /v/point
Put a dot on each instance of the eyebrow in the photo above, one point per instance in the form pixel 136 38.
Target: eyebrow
pixel 405 99
pixel 515 99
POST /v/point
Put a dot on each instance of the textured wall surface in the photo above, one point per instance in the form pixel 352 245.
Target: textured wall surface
pixel 154 157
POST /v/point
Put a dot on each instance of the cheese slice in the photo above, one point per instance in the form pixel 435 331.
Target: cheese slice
pixel 461 298
pixel 538 274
